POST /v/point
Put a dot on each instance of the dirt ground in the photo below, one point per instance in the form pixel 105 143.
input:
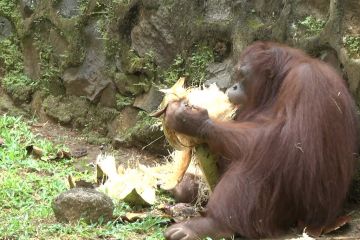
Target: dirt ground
pixel 87 153
pixel 77 145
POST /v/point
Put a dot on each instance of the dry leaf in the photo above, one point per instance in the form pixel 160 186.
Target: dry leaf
pixel 71 182
pixel 141 198
pixel 62 154
pixel 100 175
pixel 133 217
pixel 39 125
pixel 35 151
pixel 79 183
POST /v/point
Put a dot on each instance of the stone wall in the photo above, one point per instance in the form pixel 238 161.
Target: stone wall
pixel 98 65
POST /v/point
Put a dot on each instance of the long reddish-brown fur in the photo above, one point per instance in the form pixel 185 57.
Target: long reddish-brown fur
pixel 292 148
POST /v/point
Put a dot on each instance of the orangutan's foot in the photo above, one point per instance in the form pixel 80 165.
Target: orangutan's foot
pixel 195 229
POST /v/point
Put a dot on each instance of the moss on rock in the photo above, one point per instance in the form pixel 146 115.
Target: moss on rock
pixel 66 109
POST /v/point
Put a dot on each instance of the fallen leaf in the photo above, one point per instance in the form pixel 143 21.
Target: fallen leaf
pixel 35 151
pixel 39 125
pixel 79 183
pixel 100 175
pixel 1 142
pixel 62 154
pixel 137 198
pixel 133 217
pixel 71 182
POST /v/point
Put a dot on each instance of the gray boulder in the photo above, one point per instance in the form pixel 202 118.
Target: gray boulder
pixel 167 30
pixel 84 203
pixel 89 79
pixel 69 8
pixel 28 7
pixel 5 28
pixel 217 11
pixel 149 101
pixel 220 73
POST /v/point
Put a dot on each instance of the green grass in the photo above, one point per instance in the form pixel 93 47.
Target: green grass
pixel 28 186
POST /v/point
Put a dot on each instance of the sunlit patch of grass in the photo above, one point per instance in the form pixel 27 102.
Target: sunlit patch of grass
pixel 28 186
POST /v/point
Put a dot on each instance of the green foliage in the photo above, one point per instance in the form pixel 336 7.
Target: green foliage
pixel 312 25
pixel 121 1
pixel 144 125
pixel 11 54
pixel 83 4
pixel 123 101
pixel 254 22
pixel 352 43
pixel 144 64
pixel 197 63
pixel 15 81
pixel 193 67
pixel 147 120
pixel 111 8
pixel 175 71
pixel 110 11
pixel 7 6
pixel 28 186
pixel 149 64
pixel 18 85
pixel 9 9
pixel 50 69
pixel 112 46
pixel 144 122
pixel 143 69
